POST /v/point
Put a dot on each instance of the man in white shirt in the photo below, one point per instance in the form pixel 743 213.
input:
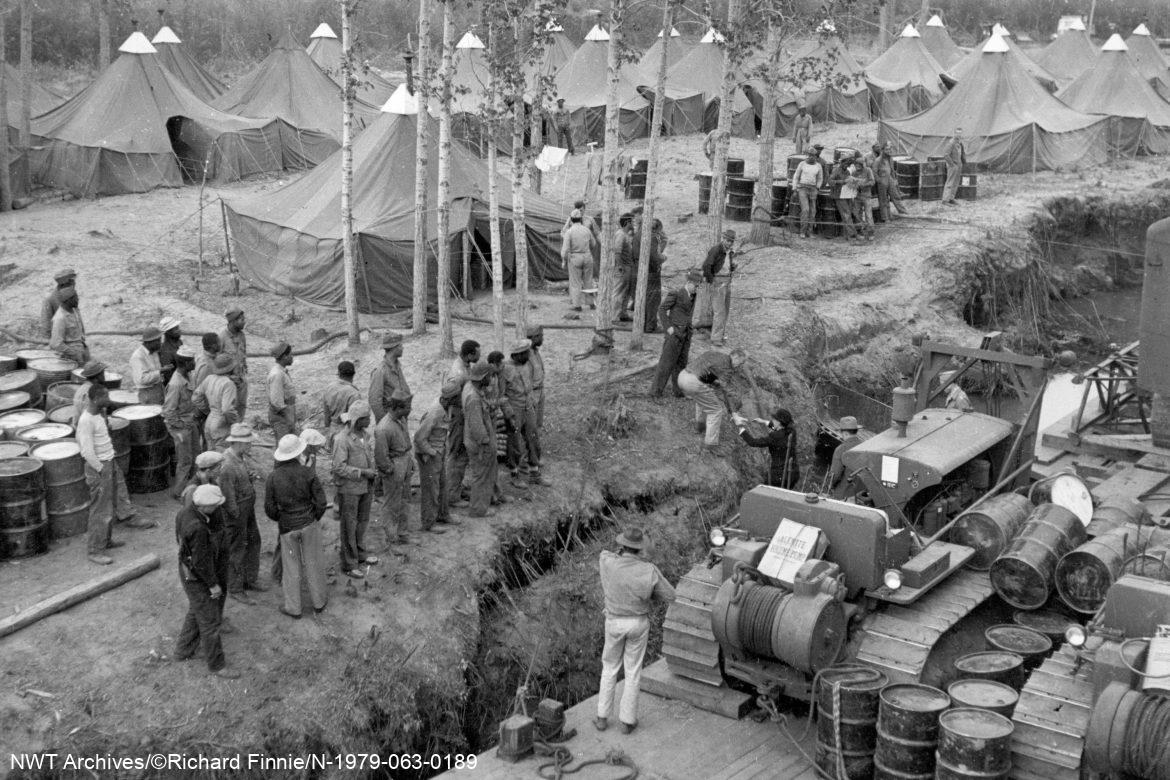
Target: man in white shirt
pixel 146 370
pixel 808 177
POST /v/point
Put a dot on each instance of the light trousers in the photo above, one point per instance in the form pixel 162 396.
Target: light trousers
pixel 709 409
pixel 580 278
pixel 302 557
pixel 720 306
pixel 625 646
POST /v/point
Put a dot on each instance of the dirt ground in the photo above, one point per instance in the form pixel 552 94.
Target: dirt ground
pixel 95 674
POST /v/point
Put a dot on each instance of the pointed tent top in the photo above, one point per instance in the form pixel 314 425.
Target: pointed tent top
pixel 1076 23
pixel 995 45
pixel 1141 29
pixel 323 31
pixel 137 44
pixel 935 21
pixel 401 102
pixel 469 41
pixel 597 34
pixel 1115 43
pixel 554 26
pixel 827 26
pixel 910 32
pixel 165 35
pixel 673 33
pixel 999 29
pixel 712 36
pixel 287 41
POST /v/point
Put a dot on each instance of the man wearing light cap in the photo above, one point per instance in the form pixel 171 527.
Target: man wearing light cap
pixel 353 473
pixel 521 413
pixel 337 399
pixel 282 396
pixel 207 470
pixel 145 369
pixel 294 498
pixel 233 342
pixel 93 372
pixel 674 315
pixel 65 278
pixel 535 334
pixel 243 534
pixel 67 334
pixel 178 413
pixel 577 257
pixel 202 571
pixel 215 397
pixel 430 446
pixel 841 485
pixel 171 341
pixel 717 271
pixel 387 377
pixel 395 464
pixel 479 436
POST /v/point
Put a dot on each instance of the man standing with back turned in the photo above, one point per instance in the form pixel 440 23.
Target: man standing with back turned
pixel 674 315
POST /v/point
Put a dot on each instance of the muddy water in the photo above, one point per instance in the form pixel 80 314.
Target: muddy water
pixel 1113 314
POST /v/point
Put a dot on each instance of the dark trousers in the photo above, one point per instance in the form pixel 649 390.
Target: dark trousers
pixel 523 440
pixel 200 629
pixel 623 290
pixel 456 466
pixel 355 518
pixel 432 488
pixel 243 548
pixel 482 467
pixel 845 211
pixel 565 138
pixel 653 301
pixel 673 359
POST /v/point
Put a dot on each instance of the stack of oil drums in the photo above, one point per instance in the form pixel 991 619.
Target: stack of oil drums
pixel 932 178
pixel 847 712
pixel 150 448
pixel 23 530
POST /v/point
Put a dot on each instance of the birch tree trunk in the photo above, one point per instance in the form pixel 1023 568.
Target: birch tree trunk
pixel 349 261
pixel 723 141
pixel 761 232
pixel 640 291
pixel 443 271
pixel 5 176
pixel 421 89
pixel 924 13
pixel 103 9
pixel 519 237
pixel 26 12
pixel 609 217
pixel 493 114
pixel 883 25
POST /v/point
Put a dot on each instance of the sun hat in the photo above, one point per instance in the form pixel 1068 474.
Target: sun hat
pixel 224 364
pixel 519 346
pixel 209 459
pixel 241 432
pixel 151 334
pixel 169 323
pixel 391 340
pixel 632 538
pixel 289 447
pixel 311 437
pixel 207 496
pixel 279 349
pixel 479 371
pixel 92 369
pixel 356 411
pixel 849 423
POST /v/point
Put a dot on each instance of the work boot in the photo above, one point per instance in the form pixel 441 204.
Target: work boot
pixel 226 674
pixel 535 478
pixel 99 559
pixel 240 596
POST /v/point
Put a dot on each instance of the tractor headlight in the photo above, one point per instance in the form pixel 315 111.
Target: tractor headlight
pixel 1076 635
pixel 892 579
pixel 717 537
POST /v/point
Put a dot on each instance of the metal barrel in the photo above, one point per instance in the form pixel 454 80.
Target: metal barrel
pixel 827 219
pixel 113 378
pixel 1050 624
pixel 8 363
pixel 1023 573
pixel 999 665
pixel 22 490
pixel 43 431
pixel 857 692
pixel 973 743
pixel 51 371
pixel 906 171
pixel 1084 575
pixel 735 166
pixel 984 695
pixel 1030 645
pixel 857 764
pixel 150 448
pixel 12 449
pixel 24 380
pixel 60 414
pixel 932 176
pixel 1154 563
pixel 11 422
pixel 1066 490
pixel 704 192
pixel 990 527
pixel 24 356
pixel 60 394
pixel 120 437
pixel 66 494
pixel 1118 511
pixel 779 202
pixel 13 399
pixel 908 730
pixel 122 398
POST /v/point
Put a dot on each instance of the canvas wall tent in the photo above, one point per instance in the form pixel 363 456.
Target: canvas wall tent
pixel 40 101
pixel 470 80
pixel 679 47
pixel 130 130
pixel 325 50
pixel 289 87
pixel 289 241
pixel 702 70
pixel 175 58
pixel 1140 119
pixel 1149 60
pixel 1009 123
pixel 558 50
pixel 838 95
pixel 939 43
pixel 1070 55
pixel 911 70
pixel 973 62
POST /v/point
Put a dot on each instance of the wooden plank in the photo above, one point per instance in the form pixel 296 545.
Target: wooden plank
pixel 1058 715
pixel 1154 462
pixel 1056 684
pixel 1028 739
pixel 687 658
pixel 659 680
pixel 710 576
pixel 1131 482
pixel 1029 768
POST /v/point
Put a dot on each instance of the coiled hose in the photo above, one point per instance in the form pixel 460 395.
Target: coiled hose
pixel 1147 740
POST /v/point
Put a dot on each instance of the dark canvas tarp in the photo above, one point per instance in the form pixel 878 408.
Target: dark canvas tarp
pixel 40 101
pixel 325 50
pixel 939 43
pixel 289 241
pixel 904 79
pixel 123 133
pixel 1148 59
pixel 972 62
pixel 701 70
pixel 835 88
pixel 1070 55
pixel 1140 119
pixel 1009 122
pixel 289 87
pixel 178 61
pixel 582 83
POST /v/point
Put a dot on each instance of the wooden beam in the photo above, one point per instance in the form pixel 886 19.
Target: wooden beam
pixel 993 356
pixel 78 593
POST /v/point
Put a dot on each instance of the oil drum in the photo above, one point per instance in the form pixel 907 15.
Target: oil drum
pixel 1030 645
pixel 1154 563
pixel 11 422
pixel 828 223
pixel 932 177
pixel 25 356
pixel 1050 624
pixel 120 438
pixel 1117 511
pixel 12 449
pixel 1066 490
pixel 150 448
pixel 66 494
pixel 735 166
pixel 13 399
pixel 908 731
pixel 990 527
pixel 23 380
pixel 122 398
pixel 704 192
pixel 22 490
pixel 1084 575
pixel 1024 572
pixel 984 695
pixel 60 394
pixel 8 363
pixel 43 431
pixel 973 743
pixel 51 371
pixel 856 690
pixel 906 172
pixel 61 414
pixel 113 380
pixel 857 764
pixel 999 665
pixel 779 203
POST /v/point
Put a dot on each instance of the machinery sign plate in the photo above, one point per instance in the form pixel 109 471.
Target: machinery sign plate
pixel 889 471
pixel 792 545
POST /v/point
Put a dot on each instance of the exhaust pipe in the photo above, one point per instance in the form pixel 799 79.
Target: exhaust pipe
pixel 1154 356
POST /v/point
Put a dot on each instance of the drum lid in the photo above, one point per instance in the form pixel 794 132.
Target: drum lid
pixel 124 397
pixel 55 450
pixel 13 399
pixel 14 380
pixel 21 418
pixel 35 354
pixel 53 364
pixel 46 431
pixel 117 423
pixel 1070 492
pixel 61 414
pixel 12 449
pixel 15 467
pixel 139 411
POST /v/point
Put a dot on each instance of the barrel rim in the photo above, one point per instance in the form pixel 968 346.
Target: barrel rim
pixel 125 411
pixel 1019 659
pixel 984 683
pixel 1045 644
pixel 11 463
pixel 978 713
pixel 54 443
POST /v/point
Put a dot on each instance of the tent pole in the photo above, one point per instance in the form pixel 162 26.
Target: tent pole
pixel 227 242
pixel 466 266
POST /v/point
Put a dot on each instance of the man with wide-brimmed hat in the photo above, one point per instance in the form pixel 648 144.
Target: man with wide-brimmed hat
pixel 233 342
pixel 718 268
pixel 243 534
pixel 65 278
pixel 145 369
pixel 354 471
pixel 93 372
pixel 171 341
pixel 387 377
pixel 295 499
pixel 630 583
pixel 430 447
pixel 674 315
pixel 216 398
pixel 282 396
pixel 202 573
pixel 393 454
pixel 521 413
pixel 337 399
pixel 178 413
pixel 67 333
pixel 842 485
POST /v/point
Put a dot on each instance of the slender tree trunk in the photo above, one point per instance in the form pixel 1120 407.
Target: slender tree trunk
pixel 1092 14
pixel 103 34
pixel 349 261
pixel 443 273
pixel 421 89
pixel 924 13
pixel 519 237
pixel 883 25
pixel 609 220
pixel 493 115
pixel 761 232
pixel 640 291
pixel 723 142
pixel 5 175
pixel 26 12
